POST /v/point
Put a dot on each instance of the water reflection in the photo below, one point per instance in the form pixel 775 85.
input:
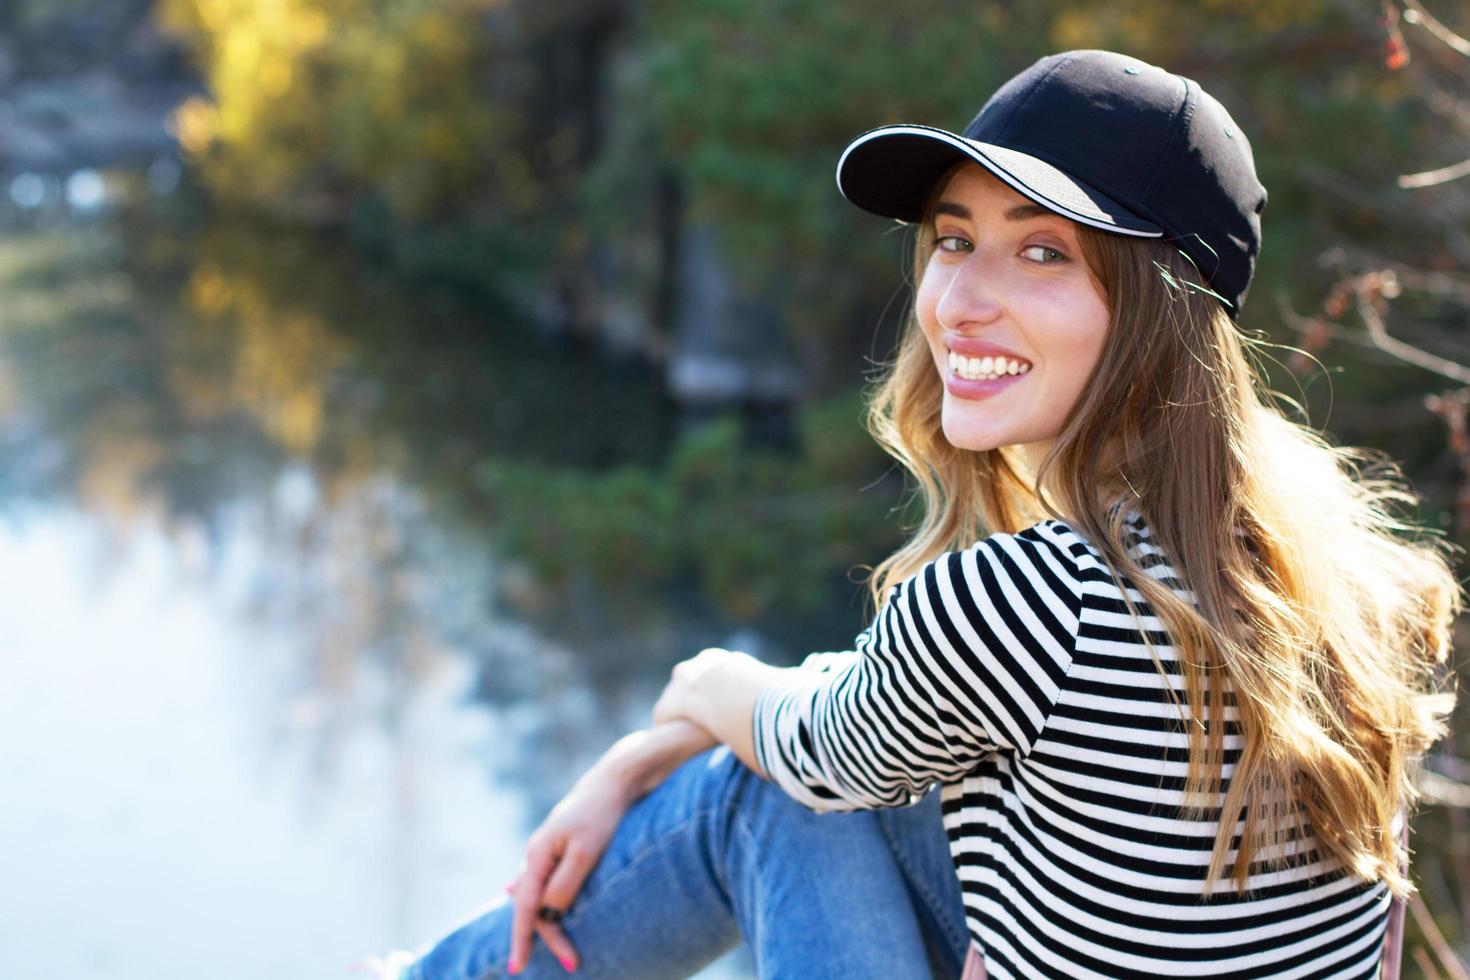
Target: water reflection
pixel 172 812
pixel 272 701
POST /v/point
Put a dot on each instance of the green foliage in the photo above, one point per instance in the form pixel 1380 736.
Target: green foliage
pixel 25 11
pixel 314 101
pixel 755 530
pixel 488 263
pixel 755 101
pixel 752 95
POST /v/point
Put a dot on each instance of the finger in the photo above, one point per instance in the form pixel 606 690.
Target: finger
pixel 522 925
pixel 571 872
pixel 527 901
pixel 556 940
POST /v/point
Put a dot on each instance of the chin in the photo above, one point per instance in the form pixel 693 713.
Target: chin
pixel 973 441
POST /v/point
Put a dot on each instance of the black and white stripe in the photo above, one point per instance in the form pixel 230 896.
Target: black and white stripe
pixel 1012 673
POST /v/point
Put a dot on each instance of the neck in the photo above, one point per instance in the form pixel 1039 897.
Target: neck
pixel 1032 453
pixel 1026 459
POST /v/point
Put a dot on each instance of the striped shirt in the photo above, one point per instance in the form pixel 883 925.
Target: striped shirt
pixel 1012 674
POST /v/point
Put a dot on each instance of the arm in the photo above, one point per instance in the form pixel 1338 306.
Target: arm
pixel 717 690
pixel 638 762
pixel 966 658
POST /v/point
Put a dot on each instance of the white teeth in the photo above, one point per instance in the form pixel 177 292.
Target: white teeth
pixel 983 368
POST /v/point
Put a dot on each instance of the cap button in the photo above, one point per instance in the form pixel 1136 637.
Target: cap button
pixel 1131 70
pixel 1229 133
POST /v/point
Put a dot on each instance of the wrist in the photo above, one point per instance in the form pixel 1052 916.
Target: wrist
pixel 640 761
pixel 615 777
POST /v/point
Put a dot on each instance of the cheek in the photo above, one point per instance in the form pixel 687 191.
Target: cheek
pixel 1085 334
pixel 1094 321
pixel 926 299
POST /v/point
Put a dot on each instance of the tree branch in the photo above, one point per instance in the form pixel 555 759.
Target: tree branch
pixel 1378 332
pixel 1414 13
pixel 1428 178
pixel 1453 967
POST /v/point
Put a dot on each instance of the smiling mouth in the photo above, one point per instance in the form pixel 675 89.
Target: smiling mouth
pixel 985 368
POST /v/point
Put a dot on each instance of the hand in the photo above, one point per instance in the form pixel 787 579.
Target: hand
pixel 689 682
pixel 559 856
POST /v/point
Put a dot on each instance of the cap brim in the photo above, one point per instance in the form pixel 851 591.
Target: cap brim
pixel 891 170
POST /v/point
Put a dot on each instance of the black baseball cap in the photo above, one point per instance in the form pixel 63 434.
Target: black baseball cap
pixel 1098 137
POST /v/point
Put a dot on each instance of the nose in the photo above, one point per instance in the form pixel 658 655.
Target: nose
pixel 970 296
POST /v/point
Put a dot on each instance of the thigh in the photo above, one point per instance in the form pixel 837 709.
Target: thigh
pixel 819 894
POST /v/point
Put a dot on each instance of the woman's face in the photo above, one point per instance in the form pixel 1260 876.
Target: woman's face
pixel 1007 279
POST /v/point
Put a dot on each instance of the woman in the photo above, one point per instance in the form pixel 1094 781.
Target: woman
pixel 1161 648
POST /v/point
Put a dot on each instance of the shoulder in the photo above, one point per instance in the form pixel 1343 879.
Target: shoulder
pixel 1092 568
pixel 1049 552
pixel 1035 576
pixel 1049 559
pixel 1004 613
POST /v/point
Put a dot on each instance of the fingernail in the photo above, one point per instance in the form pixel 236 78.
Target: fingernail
pixel 569 964
pixel 512 967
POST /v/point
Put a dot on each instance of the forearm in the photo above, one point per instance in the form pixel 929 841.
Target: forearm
pixel 641 760
pixel 722 701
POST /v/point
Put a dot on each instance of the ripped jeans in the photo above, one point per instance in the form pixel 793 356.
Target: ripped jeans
pixel 715 855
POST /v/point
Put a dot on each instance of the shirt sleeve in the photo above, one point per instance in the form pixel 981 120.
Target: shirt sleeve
pixel 966 658
pixel 823 663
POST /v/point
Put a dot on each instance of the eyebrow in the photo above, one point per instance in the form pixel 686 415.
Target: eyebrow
pixel 1019 212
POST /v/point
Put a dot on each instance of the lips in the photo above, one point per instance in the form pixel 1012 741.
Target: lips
pixel 965 388
pixel 975 347
pixel 972 351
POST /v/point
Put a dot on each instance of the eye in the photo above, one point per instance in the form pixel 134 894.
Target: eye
pixel 939 243
pixel 1043 254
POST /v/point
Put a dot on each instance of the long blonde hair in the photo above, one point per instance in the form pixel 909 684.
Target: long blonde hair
pixel 1321 612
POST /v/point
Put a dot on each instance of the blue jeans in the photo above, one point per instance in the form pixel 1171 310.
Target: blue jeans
pixel 716 854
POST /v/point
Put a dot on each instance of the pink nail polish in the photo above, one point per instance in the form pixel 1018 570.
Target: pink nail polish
pixel 569 964
pixel 512 968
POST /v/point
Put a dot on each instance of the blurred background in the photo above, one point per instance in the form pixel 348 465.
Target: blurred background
pixel 392 390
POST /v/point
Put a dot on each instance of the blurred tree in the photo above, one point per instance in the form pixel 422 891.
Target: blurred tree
pixel 593 134
pixel 20 11
pixel 1405 299
pixel 449 133
pixel 316 101
pixel 753 530
pixel 754 101
pixel 751 104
